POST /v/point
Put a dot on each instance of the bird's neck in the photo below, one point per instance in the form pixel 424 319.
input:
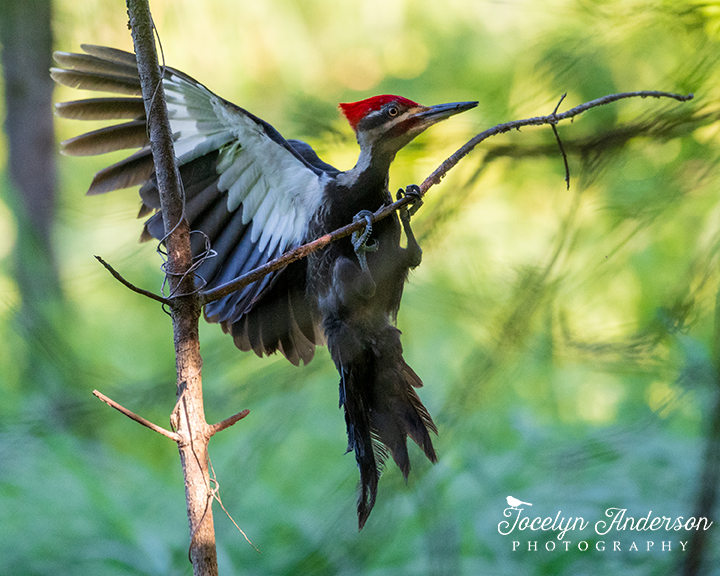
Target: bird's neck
pixel 370 173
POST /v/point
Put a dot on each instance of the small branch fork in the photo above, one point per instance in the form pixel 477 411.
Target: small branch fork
pixel 174 436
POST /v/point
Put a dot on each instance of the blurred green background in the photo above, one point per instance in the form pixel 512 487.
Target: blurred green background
pixel 565 337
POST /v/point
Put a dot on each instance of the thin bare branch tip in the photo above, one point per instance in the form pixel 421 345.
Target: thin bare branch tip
pixel 220 426
pixel 131 286
pixel 564 155
pixel 139 419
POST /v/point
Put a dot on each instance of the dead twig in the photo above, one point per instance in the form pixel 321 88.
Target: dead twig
pixel 560 144
pixel 220 426
pixel 139 419
pixel 127 284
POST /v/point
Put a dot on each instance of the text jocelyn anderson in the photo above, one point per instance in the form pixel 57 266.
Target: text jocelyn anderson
pixel 617 520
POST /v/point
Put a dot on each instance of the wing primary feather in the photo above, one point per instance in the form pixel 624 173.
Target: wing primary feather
pixel 89 63
pixel 208 213
pixel 227 246
pixel 144 211
pixel 233 306
pixel 154 228
pixel 111 54
pixel 109 139
pixel 97 82
pixel 134 170
pixel 305 348
pixel 102 109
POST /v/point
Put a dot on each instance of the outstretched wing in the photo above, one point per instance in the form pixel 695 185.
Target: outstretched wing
pixel 248 191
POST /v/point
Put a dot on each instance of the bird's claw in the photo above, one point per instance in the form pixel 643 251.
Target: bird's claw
pixel 359 239
pixel 414 192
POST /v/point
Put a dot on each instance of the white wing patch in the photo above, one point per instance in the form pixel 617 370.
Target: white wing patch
pixel 276 190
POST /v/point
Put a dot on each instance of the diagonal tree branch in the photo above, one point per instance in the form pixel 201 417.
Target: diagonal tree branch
pixel 553 119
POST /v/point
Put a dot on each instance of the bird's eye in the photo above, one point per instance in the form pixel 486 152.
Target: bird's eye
pixel 393 111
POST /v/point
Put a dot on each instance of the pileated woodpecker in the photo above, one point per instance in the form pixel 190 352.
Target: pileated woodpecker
pixel 255 195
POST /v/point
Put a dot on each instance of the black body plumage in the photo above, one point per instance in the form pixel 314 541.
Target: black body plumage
pixel 358 308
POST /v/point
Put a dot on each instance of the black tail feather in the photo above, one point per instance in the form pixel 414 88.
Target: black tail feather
pixel 359 431
pixel 381 406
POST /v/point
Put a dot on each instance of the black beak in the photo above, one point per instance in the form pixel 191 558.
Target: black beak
pixel 441 111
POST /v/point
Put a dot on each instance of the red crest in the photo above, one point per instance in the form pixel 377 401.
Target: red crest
pixel 356 111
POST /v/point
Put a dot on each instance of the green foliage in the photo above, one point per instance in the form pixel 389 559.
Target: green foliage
pixel 565 337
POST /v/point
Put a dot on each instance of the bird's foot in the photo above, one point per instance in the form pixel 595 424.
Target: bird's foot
pixel 413 251
pixel 359 239
pixel 413 191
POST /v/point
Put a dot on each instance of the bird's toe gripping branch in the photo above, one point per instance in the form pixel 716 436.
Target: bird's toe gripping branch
pixel 413 191
pixel 359 239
